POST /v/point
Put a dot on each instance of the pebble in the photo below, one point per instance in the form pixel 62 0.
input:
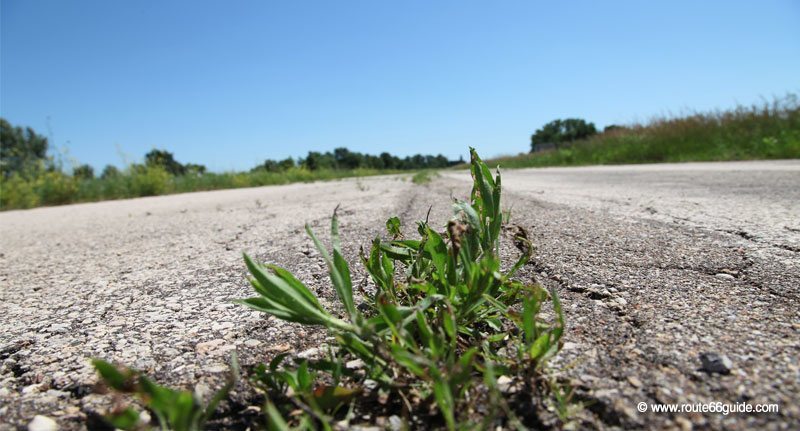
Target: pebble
pixel 684 423
pixel 208 346
pixel 32 388
pixel 725 276
pixel 504 383
pixel 221 326
pixel 58 328
pixel 252 343
pixel 355 364
pixel 370 385
pixel 310 353
pixel 715 363
pixel 42 423
pixel 280 347
pixel 634 381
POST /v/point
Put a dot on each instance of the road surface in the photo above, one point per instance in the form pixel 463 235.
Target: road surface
pixel 656 265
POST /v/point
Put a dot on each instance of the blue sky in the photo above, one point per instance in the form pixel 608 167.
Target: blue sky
pixel 228 84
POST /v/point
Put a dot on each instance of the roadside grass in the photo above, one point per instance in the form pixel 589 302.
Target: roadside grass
pixel 424 177
pixel 768 131
pixel 437 338
pixel 56 188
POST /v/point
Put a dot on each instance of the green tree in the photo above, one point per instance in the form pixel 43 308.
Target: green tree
pixel 110 171
pixel 557 132
pixel 22 151
pixel 389 161
pixel 346 159
pixel 164 159
pixel 286 164
pixel 194 169
pixel 83 172
pixel 316 160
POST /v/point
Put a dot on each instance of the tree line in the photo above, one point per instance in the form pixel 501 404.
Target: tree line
pixel 557 133
pixel 24 153
pixel 342 158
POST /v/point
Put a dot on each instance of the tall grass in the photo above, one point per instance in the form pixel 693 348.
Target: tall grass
pixel 57 188
pixel 768 131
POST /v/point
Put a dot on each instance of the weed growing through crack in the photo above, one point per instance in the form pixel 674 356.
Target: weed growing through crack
pixel 442 335
pixel 433 329
pixel 174 410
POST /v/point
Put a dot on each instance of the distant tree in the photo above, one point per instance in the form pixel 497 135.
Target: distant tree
pixel 286 164
pixel 270 165
pixel 83 172
pixel 557 132
pixel 346 159
pixel 194 169
pixel 110 171
pixel 316 160
pixel 612 128
pixel 22 151
pixel 440 161
pixel 164 159
pixel 389 161
pixel 342 158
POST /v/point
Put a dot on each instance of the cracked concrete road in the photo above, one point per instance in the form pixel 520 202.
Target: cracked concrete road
pixel 656 264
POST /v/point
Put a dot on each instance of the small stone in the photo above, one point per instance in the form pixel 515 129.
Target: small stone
pixel 30 389
pixel 355 364
pixel 634 381
pixel 310 353
pixel 685 424
pixel 622 301
pixel 725 276
pixel 715 363
pixel 221 326
pixel 58 328
pixel 504 383
pixel 370 385
pixel 252 343
pixel 42 423
pixel 587 378
pixel 395 423
pixel 280 348
pixel 606 393
pixel 208 346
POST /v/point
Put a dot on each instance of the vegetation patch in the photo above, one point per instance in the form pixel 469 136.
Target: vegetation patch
pixel 442 337
pixel 769 131
pixel 424 177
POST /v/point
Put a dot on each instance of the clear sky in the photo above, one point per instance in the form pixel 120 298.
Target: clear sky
pixel 230 83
